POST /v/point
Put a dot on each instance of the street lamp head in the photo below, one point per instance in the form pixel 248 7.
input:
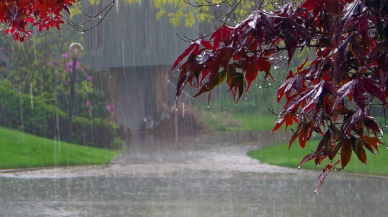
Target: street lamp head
pixel 75 50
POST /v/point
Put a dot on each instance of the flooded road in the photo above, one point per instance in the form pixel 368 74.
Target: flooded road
pixel 208 175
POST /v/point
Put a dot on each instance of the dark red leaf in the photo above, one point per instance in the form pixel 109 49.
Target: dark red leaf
pixel 236 82
pixel 291 39
pixel 296 134
pixel 353 121
pixel 334 6
pixel 358 150
pixel 370 123
pixel 305 133
pixel 346 152
pixel 372 87
pixel 334 150
pixel 193 48
pixel 354 47
pixel 311 4
pixel 206 44
pixel 257 64
pixel 373 142
pixel 307 158
pixel 218 79
pixel 323 145
pixel 219 35
pixel 344 91
pixel 311 94
pixel 288 119
pixel 321 177
pixel 293 82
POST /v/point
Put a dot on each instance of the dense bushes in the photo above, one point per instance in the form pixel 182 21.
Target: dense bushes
pixel 33 115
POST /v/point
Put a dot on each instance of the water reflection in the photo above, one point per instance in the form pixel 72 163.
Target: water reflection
pixel 215 191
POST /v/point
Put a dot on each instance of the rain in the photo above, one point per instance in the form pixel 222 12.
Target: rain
pixel 185 159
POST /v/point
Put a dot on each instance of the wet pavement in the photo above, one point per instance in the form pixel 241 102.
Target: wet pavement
pixel 206 175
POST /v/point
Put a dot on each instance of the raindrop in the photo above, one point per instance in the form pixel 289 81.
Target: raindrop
pixel 218 5
pixel 269 84
pixel 176 109
pixel 260 87
pixel 82 32
pixel 298 167
pixel 386 125
pixel 168 81
pixel 235 104
pixel 208 106
pixel 316 191
pixel 246 98
pixel 100 16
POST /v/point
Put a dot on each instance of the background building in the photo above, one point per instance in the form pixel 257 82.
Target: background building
pixel 138 51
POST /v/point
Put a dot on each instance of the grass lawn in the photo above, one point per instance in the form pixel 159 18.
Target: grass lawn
pixel 22 150
pixel 281 156
pixel 238 121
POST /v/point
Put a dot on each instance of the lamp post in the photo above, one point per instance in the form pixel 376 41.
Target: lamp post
pixel 75 52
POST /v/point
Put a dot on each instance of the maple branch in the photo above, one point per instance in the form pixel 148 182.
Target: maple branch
pixel 182 36
pixel 231 11
pixel 209 3
pixel 273 111
pixel 100 15
pixel 279 49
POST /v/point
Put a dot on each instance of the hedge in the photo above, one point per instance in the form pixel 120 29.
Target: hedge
pixel 33 115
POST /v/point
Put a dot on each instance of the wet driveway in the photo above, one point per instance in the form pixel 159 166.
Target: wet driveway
pixel 208 175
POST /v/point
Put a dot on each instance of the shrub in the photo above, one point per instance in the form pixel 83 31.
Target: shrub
pixel 117 144
pixel 33 115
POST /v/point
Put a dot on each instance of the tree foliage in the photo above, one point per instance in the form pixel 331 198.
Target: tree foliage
pixel 18 18
pixel 330 94
pixel 45 14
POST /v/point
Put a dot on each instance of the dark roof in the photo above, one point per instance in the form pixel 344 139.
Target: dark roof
pixel 133 36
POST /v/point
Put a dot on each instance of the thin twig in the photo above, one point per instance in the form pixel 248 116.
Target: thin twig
pixel 100 15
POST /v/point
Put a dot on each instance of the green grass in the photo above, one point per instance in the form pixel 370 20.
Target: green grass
pixel 254 122
pixel 238 121
pixel 280 155
pixel 22 150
